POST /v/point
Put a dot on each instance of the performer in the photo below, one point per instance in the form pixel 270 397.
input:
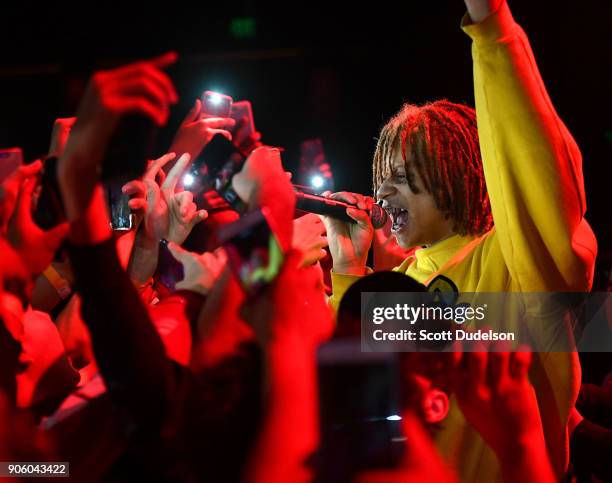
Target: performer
pixel 494 209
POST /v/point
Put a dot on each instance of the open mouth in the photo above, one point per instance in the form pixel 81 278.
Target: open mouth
pixel 399 217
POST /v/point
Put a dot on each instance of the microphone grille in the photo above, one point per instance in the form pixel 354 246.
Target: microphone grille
pixel 379 217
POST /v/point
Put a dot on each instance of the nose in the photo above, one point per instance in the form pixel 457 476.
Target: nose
pixel 385 190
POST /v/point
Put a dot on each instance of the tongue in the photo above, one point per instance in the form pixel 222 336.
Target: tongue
pixel 402 218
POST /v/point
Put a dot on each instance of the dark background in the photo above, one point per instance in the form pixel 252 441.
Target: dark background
pixel 310 70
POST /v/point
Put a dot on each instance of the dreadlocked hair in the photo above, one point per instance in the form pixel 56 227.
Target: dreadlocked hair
pixel 440 141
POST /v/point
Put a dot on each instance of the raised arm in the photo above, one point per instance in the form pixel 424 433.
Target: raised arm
pixel 532 166
pixel 128 350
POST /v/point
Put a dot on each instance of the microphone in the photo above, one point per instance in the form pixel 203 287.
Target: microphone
pixel 336 208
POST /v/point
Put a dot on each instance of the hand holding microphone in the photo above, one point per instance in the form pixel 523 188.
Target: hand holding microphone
pixel 349 242
pixel 336 208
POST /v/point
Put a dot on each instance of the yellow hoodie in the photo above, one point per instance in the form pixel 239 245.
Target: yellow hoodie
pixel 541 241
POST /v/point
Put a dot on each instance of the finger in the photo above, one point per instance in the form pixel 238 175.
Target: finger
pixel 520 362
pixel 140 106
pixel 180 253
pixel 153 195
pixel 200 215
pixel 362 202
pixel 360 216
pixel 138 204
pixel 176 172
pixel 135 187
pixel 221 255
pixel 145 72
pixel 226 134
pixel 28 170
pixel 184 198
pixel 218 122
pixel 139 86
pixel 345 196
pixel 188 212
pixel 24 199
pixel 56 235
pixel 194 113
pixel 289 175
pixel 163 61
pixel 497 367
pixel 158 164
pixel 322 242
pixel 65 122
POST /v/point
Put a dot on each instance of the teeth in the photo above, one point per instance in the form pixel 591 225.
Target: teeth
pixel 393 211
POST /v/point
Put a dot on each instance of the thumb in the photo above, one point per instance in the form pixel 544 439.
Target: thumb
pixel 164 60
pixel 201 215
pixel 194 113
pixel 179 252
pixel 152 194
pixel 31 169
pixel 360 216
pixel 24 199
pixel 56 235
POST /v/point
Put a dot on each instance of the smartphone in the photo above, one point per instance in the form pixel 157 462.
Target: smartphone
pixel 243 131
pixel 215 104
pixel 359 407
pixel 169 270
pixel 253 252
pixel 10 160
pixel 126 157
pixel 121 216
pixel 242 111
pixel 314 170
pixel 223 160
pixel 49 210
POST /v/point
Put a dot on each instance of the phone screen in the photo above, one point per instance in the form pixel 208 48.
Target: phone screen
pixel 253 252
pixel 359 409
pixel 219 162
pixel 215 104
pixel 169 270
pixel 242 112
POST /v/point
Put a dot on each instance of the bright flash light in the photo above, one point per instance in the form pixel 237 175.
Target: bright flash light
pixel 188 179
pixel 317 181
pixel 395 417
pixel 215 98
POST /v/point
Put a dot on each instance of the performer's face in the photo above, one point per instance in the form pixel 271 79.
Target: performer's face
pixel 416 219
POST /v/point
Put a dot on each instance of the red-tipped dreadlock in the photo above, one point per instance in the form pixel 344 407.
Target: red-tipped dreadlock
pixel 440 140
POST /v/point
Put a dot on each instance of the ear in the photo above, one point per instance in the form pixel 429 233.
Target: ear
pixel 435 405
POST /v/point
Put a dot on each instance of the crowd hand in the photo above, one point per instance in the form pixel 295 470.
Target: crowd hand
pixel 243 138
pixel 139 88
pixel 195 132
pixel 262 165
pixel 169 213
pixel 35 246
pixel 349 243
pixel 495 396
pixel 201 271
pixel 59 135
pixel 262 182
pixel 10 189
pixel 277 313
pixel 309 239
